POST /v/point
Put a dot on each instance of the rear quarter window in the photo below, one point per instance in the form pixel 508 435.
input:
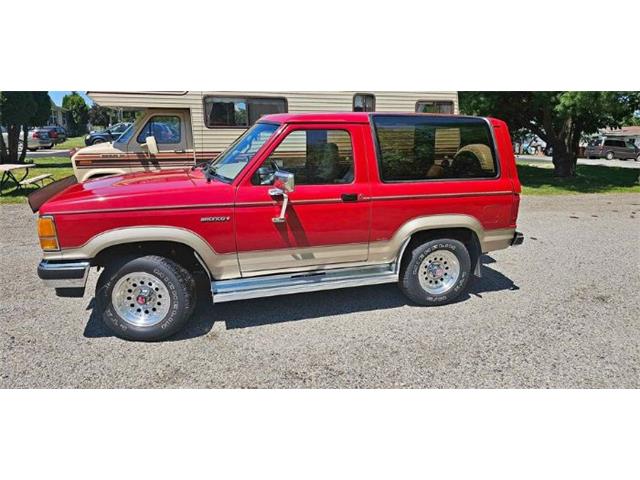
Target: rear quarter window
pixel 417 148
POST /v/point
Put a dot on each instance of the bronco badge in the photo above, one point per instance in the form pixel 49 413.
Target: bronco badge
pixel 215 219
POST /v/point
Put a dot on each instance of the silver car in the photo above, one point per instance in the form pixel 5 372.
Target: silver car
pixel 36 138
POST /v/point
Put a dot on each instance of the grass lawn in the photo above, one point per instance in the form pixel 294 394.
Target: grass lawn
pixel 589 179
pixel 71 142
pixel 59 167
pixel 535 180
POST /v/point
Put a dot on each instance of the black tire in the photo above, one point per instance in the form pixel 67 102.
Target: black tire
pixel 609 156
pixel 637 159
pixel 409 272
pixel 178 281
pixel 97 141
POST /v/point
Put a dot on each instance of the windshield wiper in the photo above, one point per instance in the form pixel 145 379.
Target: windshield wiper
pixel 211 172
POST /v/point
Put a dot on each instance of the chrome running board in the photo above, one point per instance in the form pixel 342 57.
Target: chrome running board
pixel 284 284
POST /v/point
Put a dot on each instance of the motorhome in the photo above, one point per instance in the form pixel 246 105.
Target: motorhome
pixel 178 129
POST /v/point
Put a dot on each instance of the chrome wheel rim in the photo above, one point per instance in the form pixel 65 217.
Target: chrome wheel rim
pixel 141 299
pixel 439 272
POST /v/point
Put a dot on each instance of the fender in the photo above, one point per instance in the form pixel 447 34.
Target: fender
pixel 389 250
pixel 220 266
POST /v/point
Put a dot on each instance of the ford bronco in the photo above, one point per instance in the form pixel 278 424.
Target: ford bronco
pixel 299 203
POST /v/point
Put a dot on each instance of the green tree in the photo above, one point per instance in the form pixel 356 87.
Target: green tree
pixel 558 118
pixel 99 115
pixel 18 112
pixel 76 113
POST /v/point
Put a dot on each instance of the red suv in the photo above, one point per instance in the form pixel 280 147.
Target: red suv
pixel 299 203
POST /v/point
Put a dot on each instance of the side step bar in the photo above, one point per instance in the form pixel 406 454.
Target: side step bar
pixel 284 284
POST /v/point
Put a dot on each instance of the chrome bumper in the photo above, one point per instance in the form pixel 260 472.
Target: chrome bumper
pixel 64 274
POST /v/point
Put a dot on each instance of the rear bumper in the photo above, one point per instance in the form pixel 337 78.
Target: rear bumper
pixel 71 274
pixel 518 238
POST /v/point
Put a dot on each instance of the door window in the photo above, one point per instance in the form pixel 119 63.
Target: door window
pixel 315 157
pixel 165 129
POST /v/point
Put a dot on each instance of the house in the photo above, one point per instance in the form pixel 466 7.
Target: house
pixel 631 133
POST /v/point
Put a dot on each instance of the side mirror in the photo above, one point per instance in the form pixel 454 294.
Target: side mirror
pixel 151 145
pixel 284 181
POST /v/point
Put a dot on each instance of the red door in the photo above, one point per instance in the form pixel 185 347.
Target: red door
pixel 327 220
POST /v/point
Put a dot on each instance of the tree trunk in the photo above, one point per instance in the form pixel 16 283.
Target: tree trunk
pixel 13 135
pixel 565 149
pixel 4 154
pixel 25 143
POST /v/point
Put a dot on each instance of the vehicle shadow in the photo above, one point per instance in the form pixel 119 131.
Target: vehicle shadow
pixel 303 306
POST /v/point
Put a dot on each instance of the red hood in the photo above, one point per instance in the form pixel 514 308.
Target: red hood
pixel 138 190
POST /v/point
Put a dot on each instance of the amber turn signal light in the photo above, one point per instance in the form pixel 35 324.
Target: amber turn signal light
pixel 47 234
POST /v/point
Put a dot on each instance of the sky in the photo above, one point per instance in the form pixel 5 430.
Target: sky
pixel 57 96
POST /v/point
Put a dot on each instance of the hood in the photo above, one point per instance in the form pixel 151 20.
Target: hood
pixel 99 149
pixel 165 189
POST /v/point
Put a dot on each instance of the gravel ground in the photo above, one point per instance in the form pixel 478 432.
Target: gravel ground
pixel 561 311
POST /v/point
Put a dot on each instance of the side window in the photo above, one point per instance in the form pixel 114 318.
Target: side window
pixel 419 148
pixel 315 157
pixel 239 112
pixel 364 102
pixel 429 106
pixel 165 128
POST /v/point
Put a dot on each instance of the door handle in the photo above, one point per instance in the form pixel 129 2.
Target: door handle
pixel 349 197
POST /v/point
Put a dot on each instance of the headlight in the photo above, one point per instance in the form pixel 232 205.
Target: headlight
pixel 47 234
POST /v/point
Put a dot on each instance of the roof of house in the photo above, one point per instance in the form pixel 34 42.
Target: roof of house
pixel 623 131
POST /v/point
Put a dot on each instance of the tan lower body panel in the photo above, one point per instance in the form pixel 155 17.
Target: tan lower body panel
pixel 265 262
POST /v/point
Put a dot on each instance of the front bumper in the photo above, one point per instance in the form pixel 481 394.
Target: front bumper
pixel 518 239
pixel 64 275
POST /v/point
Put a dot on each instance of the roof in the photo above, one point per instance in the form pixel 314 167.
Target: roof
pixel 341 117
pixel 623 131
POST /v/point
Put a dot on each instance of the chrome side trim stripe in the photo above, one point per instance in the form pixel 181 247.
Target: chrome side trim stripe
pixel 272 285
pixel 439 195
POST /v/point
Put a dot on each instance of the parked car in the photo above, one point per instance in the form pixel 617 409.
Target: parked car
pixel 111 134
pixel 299 203
pixel 56 133
pixel 37 138
pixel 611 148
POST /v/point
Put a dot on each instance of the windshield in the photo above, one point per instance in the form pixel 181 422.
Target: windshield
pixel 126 135
pixel 231 162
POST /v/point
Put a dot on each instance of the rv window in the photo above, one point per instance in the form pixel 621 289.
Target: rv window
pixel 424 148
pixel 364 102
pixel 166 129
pixel 429 106
pixel 240 112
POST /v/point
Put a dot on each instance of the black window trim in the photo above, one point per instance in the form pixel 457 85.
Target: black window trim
pixel 160 115
pixel 368 94
pixel 453 106
pixel 494 149
pixel 240 97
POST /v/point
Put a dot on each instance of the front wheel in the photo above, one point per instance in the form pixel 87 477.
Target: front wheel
pixel 436 272
pixel 146 298
pixel 609 156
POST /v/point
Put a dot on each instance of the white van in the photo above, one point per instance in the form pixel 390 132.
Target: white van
pixel 179 129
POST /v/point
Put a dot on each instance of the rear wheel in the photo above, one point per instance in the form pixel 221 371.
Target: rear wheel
pixel 146 298
pixel 436 272
pixel 609 156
